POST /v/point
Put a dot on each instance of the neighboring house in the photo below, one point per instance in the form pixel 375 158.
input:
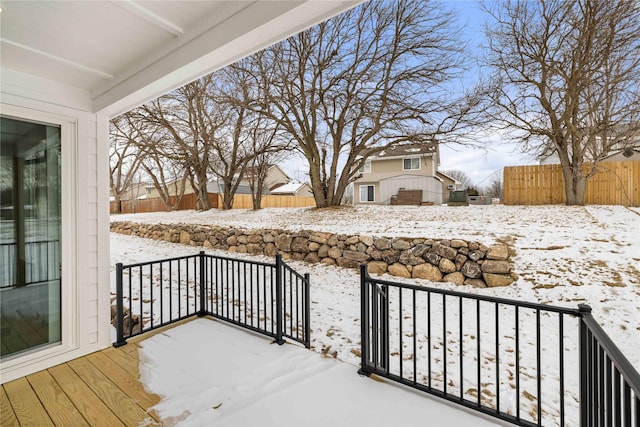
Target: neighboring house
pixel 626 155
pixel 630 142
pixel 216 186
pixel 138 190
pixel 299 189
pixel 275 177
pixel 408 169
pixel 448 184
pixel 173 189
pixel 67 68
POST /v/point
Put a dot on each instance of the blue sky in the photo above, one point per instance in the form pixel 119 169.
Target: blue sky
pixel 478 164
pixel 499 152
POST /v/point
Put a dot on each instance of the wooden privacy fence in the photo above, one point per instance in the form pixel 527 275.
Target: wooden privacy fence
pixel 188 201
pixel 243 201
pixel 615 183
pixel 156 204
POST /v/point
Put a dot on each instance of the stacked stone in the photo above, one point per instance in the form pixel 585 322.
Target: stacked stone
pixel 456 261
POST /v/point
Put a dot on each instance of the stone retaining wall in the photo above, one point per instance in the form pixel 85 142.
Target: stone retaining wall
pixel 456 261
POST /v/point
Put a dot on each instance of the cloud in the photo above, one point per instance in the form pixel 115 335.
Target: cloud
pixel 480 165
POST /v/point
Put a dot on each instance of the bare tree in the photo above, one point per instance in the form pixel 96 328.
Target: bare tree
pixel 236 144
pixel 169 177
pixel 124 158
pixel 267 152
pixel 567 79
pixel 376 76
pixel 187 121
pixel 150 147
pixel 495 189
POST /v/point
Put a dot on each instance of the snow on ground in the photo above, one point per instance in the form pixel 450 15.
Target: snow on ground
pixel 564 256
pixel 237 378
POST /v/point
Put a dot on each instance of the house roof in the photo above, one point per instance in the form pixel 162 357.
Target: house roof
pixel 405 150
pixel 290 188
pixel 123 53
pixel 627 152
pixel 251 171
pixel 438 172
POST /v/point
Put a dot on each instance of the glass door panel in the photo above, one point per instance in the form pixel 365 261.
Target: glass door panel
pixel 30 234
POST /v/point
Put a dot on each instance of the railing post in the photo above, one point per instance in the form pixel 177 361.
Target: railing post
pixel 202 283
pixel 585 405
pixel 384 326
pixel 120 341
pixel 364 322
pixel 307 311
pixel 279 316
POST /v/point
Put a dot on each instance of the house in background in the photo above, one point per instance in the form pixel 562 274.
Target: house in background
pixel 448 184
pixel 404 174
pixel 275 177
pixel 626 155
pixel 625 149
pixel 67 68
pixel 298 189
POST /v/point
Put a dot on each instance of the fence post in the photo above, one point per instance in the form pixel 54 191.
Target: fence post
pixel 120 341
pixel 279 316
pixel 364 322
pixel 202 287
pixel 585 405
pixel 307 311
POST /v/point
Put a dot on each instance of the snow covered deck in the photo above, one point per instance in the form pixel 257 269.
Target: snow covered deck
pixel 203 372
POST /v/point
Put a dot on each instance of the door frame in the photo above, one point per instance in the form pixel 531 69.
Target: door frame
pixel 69 237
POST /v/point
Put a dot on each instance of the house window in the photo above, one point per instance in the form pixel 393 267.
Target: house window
pixel 31 235
pixel 366 193
pixel 366 167
pixel 411 163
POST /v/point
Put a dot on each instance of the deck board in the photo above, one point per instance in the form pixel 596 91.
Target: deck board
pixel 126 361
pixel 90 406
pixel 100 389
pixel 118 402
pixel 128 384
pixel 55 401
pixel 7 416
pixel 26 405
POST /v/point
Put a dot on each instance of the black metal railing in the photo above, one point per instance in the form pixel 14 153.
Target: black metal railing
pixel 295 310
pixel 528 364
pixel 609 385
pixel 271 299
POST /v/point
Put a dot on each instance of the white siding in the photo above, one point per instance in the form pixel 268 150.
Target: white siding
pixel 85 226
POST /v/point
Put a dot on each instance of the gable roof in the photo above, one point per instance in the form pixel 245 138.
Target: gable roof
pixel 290 188
pixel 252 171
pixel 439 172
pixel 405 150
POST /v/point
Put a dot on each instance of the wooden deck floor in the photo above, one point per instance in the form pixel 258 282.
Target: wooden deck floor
pixel 101 389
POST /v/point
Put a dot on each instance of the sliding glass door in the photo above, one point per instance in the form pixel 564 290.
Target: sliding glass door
pixel 30 235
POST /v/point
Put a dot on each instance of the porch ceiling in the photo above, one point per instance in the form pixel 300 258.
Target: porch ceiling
pixel 128 51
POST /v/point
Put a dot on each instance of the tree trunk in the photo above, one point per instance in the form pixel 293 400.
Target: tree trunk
pixel 227 200
pixel 575 185
pixel 202 200
pixel 227 196
pixel 257 200
pixel 118 203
